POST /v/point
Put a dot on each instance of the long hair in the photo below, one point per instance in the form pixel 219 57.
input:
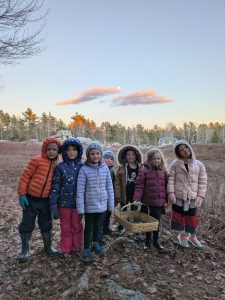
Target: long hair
pixel 150 155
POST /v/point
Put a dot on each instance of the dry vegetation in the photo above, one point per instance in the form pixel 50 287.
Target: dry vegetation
pixel 177 274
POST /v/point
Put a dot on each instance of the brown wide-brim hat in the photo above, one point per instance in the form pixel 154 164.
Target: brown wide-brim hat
pixel 121 155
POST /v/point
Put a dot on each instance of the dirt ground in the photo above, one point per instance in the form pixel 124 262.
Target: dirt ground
pixel 176 274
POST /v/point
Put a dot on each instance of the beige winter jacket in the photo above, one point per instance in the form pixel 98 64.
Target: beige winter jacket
pixel 187 185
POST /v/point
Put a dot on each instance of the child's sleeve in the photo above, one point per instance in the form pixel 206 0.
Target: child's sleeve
pixel 56 187
pixel 202 181
pixel 26 176
pixel 81 185
pixel 171 178
pixel 139 186
pixel 110 191
pixel 117 186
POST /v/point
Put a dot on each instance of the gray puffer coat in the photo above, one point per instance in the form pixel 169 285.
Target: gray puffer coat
pixel 94 189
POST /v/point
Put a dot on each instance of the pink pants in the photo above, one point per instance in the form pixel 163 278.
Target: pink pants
pixel 72 230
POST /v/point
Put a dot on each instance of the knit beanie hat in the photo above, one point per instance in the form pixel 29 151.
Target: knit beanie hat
pixel 108 154
pixel 93 145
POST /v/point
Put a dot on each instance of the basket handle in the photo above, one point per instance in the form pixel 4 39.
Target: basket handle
pixel 130 204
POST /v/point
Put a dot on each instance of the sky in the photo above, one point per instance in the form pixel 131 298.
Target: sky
pixel 132 61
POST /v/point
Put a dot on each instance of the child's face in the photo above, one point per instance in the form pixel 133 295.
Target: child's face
pixel 131 156
pixel 72 152
pixel 52 151
pixel 95 156
pixel 184 151
pixel 108 161
pixel 156 160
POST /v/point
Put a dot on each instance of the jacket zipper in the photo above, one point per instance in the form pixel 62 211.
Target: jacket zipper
pixel 46 179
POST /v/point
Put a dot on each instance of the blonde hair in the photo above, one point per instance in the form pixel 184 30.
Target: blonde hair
pixel 150 155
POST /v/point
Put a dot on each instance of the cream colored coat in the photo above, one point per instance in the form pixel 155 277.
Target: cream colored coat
pixel 187 185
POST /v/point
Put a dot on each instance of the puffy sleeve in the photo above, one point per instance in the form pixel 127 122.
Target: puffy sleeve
pixel 139 185
pixel 26 176
pixel 110 190
pixel 56 187
pixel 171 178
pixel 202 181
pixel 81 185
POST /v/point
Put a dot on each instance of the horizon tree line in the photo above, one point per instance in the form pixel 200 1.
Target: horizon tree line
pixel 31 126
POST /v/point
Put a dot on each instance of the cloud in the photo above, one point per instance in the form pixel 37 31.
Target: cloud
pixel 146 97
pixel 89 95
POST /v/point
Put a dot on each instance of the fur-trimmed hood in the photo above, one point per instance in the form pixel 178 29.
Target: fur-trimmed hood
pixel 121 155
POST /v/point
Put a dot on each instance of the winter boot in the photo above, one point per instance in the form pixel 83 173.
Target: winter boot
pixel 147 246
pixel 25 238
pixel 47 239
pixel 85 255
pixel 97 249
pixel 158 246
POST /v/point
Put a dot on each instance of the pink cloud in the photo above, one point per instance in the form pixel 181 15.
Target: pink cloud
pixel 146 97
pixel 89 95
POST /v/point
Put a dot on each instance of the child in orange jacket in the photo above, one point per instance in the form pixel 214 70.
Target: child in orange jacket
pixel 34 190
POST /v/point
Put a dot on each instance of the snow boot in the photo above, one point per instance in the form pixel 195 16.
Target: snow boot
pixel 147 246
pixel 158 246
pixel 24 255
pixel 97 249
pixel 47 239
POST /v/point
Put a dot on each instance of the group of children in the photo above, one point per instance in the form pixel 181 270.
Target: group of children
pixel 83 195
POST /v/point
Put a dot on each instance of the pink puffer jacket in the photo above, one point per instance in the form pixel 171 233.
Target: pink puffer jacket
pixel 187 185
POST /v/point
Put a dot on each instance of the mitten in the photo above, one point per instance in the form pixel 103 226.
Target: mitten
pixel 54 213
pixel 23 201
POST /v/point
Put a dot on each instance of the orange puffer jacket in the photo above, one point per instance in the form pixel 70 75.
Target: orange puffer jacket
pixel 36 179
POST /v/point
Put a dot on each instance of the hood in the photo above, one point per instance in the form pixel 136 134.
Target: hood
pixel 93 145
pixel 108 154
pixel 45 144
pixel 68 142
pixel 183 142
pixel 122 152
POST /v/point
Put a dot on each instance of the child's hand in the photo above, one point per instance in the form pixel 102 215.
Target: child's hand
pixel 171 198
pixel 137 202
pixel 23 201
pixel 81 217
pixel 54 213
pixel 199 201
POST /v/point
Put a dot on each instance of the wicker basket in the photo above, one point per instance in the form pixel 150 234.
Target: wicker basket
pixel 151 224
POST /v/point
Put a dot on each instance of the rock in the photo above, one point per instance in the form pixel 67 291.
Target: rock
pixel 199 277
pixel 83 281
pixel 171 271
pixel 122 293
pixel 130 268
pixel 78 287
pixel 218 277
pixel 152 290
pixel 162 283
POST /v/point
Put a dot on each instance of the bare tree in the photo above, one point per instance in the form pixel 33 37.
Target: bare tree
pixel 17 39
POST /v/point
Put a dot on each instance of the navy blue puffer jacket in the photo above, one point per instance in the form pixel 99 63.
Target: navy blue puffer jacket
pixel 64 184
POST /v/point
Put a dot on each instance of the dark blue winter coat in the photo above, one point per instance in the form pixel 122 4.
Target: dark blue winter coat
pixel 64 184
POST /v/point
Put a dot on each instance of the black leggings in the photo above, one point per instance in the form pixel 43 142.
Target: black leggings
pixel 155 212
pixel 91 231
